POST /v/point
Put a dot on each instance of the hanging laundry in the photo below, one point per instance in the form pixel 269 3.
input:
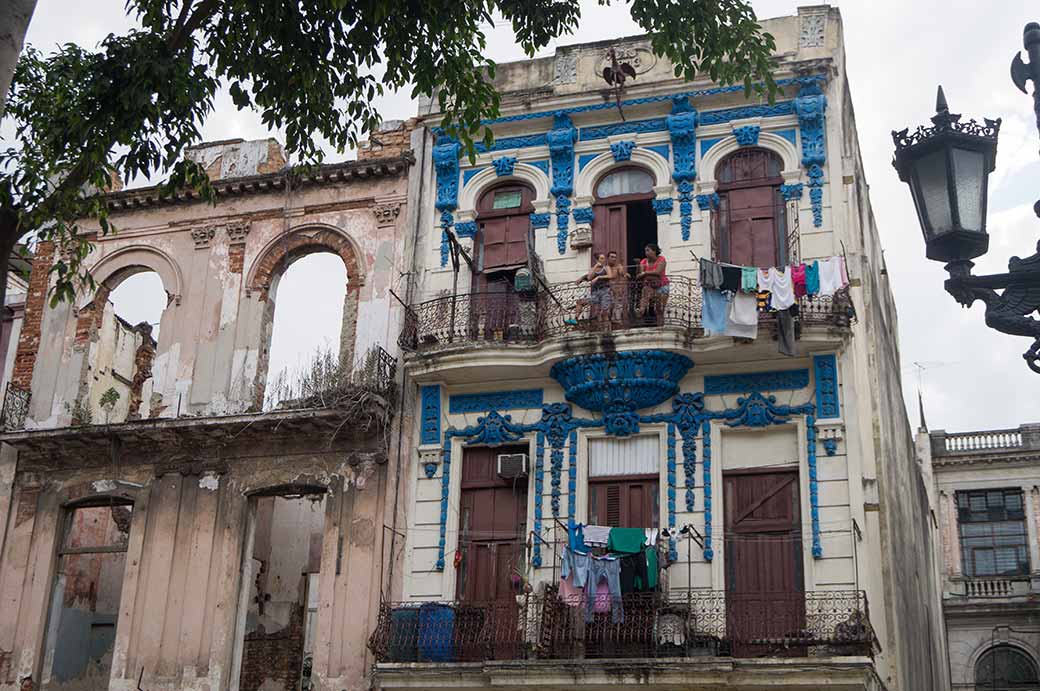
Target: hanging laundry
pixel 571 595
pixel 602 598
pixel 830 276
pixel 650 553
pixel 748 279
pixel 609 570
pixel 778 283
pixel 576 537
pixel 597 535
pixel 651 536
pixel 575 566
pixel 732 277
pixel 711 274
pixel 785 333
pixel 812 278
pixel 626 540
pixel 798 280
pixel 713 318
pixel 762 297
pixel 633 573
pixel 742 318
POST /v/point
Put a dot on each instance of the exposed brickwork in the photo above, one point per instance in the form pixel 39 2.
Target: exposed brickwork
pixel 142 369
pixel 273 660
pixel 35 304
pixel 393 142
pixel 296 246
pixel 236 257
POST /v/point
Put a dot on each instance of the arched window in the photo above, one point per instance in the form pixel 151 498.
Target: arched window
pixel 504 223
pixel 1005 668
pixel 751 223
pixel 624 220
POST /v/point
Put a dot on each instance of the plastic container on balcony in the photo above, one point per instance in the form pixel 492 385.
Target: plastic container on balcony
pixel 404 634
pixel 436 633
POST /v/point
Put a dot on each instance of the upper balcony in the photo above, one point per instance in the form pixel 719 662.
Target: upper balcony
pixel 707 636
pixel 504 330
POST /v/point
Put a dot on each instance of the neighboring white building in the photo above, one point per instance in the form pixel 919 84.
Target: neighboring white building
pixel 799 531
pixel 987 490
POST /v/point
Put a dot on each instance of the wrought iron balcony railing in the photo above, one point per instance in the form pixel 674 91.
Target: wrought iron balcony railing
pixel 15 408
pixel 693 623
pixel 526 318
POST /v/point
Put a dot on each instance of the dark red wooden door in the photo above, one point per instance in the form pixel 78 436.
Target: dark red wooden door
pixel 765 601
pixel 609 231
pixel 752 227
pixel 492 521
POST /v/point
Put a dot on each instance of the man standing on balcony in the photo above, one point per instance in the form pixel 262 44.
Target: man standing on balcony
pixel 599 299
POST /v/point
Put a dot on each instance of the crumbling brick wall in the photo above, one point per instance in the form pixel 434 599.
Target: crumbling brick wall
pixel 273 660
pixel 392 139
pixel 35 303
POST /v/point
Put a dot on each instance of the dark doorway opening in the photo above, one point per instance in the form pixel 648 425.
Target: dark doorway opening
pixel 642 230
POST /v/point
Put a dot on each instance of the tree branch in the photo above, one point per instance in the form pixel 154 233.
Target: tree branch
pixel 205 10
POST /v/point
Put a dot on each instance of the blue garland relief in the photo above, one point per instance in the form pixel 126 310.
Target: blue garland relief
pixel 814 487
pixel 671 492
pixel 466 229
pixel 561 152
pixel 583 214
pixel 682 127
pixel 540 220
pixel 791 192
pixel 747 135
pixel 810 106
pixel 495 400
pixel 825 371
pixel 539 491
pixel 622 151
pixel 445 491
pixel 572 476
pixel 783 380
pixel 542 165
pixel 504 165
pixel 708 201
pixel 709 552
pixel 663 207
pixel 446 164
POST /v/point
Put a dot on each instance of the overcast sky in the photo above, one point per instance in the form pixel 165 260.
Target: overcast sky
pixel 898 51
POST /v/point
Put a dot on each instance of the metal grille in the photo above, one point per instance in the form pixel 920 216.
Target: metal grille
pixel 675 624
pixel 16 407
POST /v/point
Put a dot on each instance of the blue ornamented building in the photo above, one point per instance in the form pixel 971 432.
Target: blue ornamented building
pixel 768 461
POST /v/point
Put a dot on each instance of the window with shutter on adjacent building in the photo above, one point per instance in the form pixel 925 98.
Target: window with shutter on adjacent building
pixel 623 481
pixel 992 531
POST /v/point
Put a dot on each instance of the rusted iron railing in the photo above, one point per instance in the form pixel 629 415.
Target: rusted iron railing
pixel 15 409
pixel 569 308
pixel 675 624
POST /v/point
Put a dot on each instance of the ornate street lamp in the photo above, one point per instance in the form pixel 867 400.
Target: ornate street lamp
pixel 947 167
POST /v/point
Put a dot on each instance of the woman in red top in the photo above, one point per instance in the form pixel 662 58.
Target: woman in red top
pixel 653 273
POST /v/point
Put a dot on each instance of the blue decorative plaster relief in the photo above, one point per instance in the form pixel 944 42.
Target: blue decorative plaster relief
pixel 468 174
pixel 671 491
pixel 583 214
pixel 572 476
pixel 504 165
pixel 718 117
pixel 814 487
pixel 663 207
pixel 707 144
pixel 542 165
pixel 430 469
pixel 785 380
pixel 445 490
pixel 512 143
pixel 791 192
pixel 561 152
pixel 682 128
pixel 830 446
pixel 756 410
pixel 708 201
pixel 446 164
pixel 709 553
pixel 494 430
pixel 825 370
pixel 618 128
pixel 789 135
pixel 495 400
pixel 810 106
pixel 747 135
pixel 466 229
pixel 540 220
pixel 539 492
pixel 622 151
pixel 685 189
pixel 430 420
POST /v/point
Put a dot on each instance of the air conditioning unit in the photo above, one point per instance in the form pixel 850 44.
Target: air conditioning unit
pixel 512 465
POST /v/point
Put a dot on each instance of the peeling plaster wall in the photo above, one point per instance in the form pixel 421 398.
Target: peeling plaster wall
pixel 215 333
pixel 184 566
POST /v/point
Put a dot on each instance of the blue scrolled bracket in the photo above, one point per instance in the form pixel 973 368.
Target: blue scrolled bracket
pixel 791 192
pixel 810 106
pixel 504 165
pixel 830 446
pixel 539 491
pixel 622 151
pixel 708 201
pixel 561 139
pixel 563 205
pixel 814 487
pixel 583 214
pixel 747 135
pixel 687 414
pixel 446 165
pixel 709 553
pixel 540 220
pixel 685 208
pixel 466 229
pixel 663 207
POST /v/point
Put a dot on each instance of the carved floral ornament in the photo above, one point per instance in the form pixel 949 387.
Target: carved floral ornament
pixel 203 236
pixel 386 213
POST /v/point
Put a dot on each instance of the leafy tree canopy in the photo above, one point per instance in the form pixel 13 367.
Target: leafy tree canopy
pixel 312 69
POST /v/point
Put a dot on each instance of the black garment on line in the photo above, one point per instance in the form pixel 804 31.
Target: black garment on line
pixel 785 332
pixel 731 278
pixel 633 567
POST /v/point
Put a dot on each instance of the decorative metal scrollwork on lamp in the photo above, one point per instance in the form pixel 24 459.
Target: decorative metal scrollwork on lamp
pixel 947 167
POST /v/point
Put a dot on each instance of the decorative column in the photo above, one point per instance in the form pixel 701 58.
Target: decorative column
pixel 810 106
pixel 446 164
pixel 561 139
pixel 682 126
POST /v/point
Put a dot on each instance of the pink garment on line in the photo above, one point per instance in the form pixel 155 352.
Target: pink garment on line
pixel 798 279
pixel 571 595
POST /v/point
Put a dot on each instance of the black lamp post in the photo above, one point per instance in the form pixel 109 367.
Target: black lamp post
pixel 947 167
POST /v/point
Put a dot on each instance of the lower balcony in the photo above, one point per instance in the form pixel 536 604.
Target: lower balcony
pixel 707 637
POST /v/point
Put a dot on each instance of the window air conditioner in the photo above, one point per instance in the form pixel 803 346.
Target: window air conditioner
pixel 512 465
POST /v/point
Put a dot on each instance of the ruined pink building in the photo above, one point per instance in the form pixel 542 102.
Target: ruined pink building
pixel 159 525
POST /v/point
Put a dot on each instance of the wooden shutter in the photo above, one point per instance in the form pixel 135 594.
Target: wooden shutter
pixel 609 231
pixel 624 503
pixel 752 227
